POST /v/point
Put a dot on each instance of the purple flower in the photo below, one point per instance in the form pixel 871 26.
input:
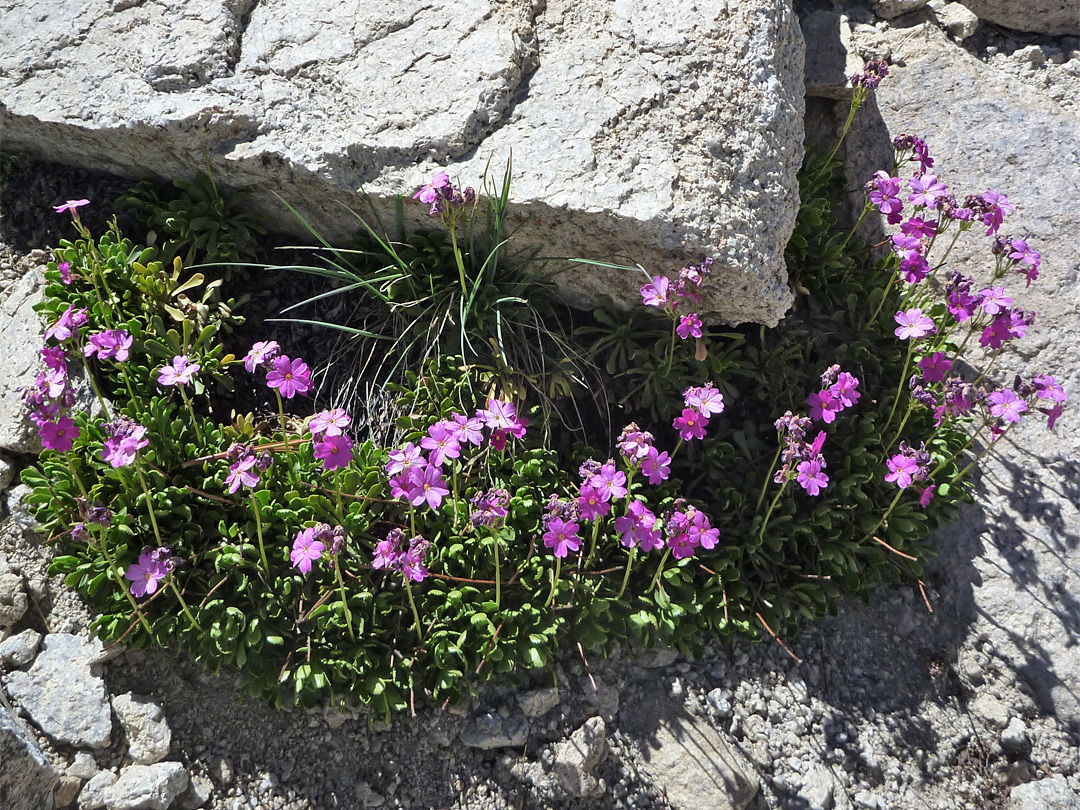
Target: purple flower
pixel 499 415
pixel 434 190
pixel 995 206
pixel 960 300
pixel 387 551
pixel 125 439
pixel 912 324
pixel 845 389
pixel 68 323
pixel 934 367
pixel 428 486
pixel 58 435
pixel 609 482
pixel 441 442
pixel 657 466
pixel 1052 414
pixel 329 423
pixel 412 561
pixel 405 460
pixel 689 325
pixel 72 205
pixel 638 527
pixel 65 272
pixel 918 228
pixel 243 473
pixel 592 503
pixel 691 425
pixel 146 574
pixel 179 373
pixel 885 194
pixel 262 354
pixel 634 444
pixel 902 470
pixel 824 406
pixel 490 508
pixel 926 190
pixel 706 400
pixel 562 536
pixel 657 293
pixel 306 550
pixel 112 343
pixel 1026 255
pixel 498 440
pixel 993 301
pixel 1047 387
pixel 1006 405
pixel 466 430
pixel 926 495
pixel 289 377
pixel 811 477
pixel 335 452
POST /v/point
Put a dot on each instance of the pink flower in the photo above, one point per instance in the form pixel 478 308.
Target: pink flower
pixel 885 194
pixel 306 550
pixel 1052 414
pixel 335 452
pixel 146 574
pixel 995 207
pixel 689 325
pixel 1005 404
pixel 58 435
pixel 498 440
pixel 67 325
pixel 706 400
pixel 657 293
pixel 592 503
pixel 65 272
pixel 824 406
pixel 441 442
pixel 902 470
pixel 926 495
pixel 179 373
pixel 609 483
pixel 468 430
pixel 405 460
pixel 1047 387
pixel 428 486
pixel 112 343
pixel 562 536
pixel 243 472
pixel 994 300
pixel 912 324
pixel 691 425
pixel 811 477
pixel 499 415
pixel 329 423
pixel 657 466
pixel 71 205
pixel 121 447
pixel 845 389
pixel 934 367
pixel 926 190
pixel 433 190
pixel 263 352
pixel 289 377
pixel 638 527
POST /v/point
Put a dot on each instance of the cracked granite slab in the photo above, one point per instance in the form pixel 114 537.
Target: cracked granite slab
pixel 651 132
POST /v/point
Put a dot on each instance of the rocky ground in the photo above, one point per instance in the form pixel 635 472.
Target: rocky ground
pixel 969 698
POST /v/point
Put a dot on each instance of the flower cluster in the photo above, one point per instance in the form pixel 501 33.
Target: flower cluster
pixel 839 391
pixel 179 373
pixel 420 480
pixel 153 566
pixel 111 344
pixel 871 75
pixel 246 466
pixel 124 439
pixel 443 197
pixel 489 508
pixel 661 293
pixel 287 376
pixel 394 554
pixel 310 543
pixel 50 393
pixel 329 443
pixel 699 404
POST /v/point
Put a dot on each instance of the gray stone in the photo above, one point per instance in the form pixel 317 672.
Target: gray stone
pixel 651 131
pixel 687 757
pixel 67 789
pixel 144 724
pixel 894 8
pixel 990 710
pixel 27 779
pixel 19 650
pixel 830 58
pixel 1052 793
pixel 92 795
pixel 7 474
pixel 17 508
pixel 63 695
pixel 146 787
pixel 1014 739
pixel 13 599
pixel 955 18
pixel 1040 16
pixel 200 790
pixel 83 766
pixel 601 695
pixel 577 758
pixel 1012 563
pixel 1031 54
pixel 486 734
pixel 818 789
pixel 22 336
pixel 538 702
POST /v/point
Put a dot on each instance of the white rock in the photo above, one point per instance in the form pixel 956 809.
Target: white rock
pixel 13 599
pixel 146 787
pixel 92 795
pixel 1041 16
pixel 17 508
pixel 955 18
pixel 1014 739
pixel 894 8
pixel 538 702
pixel 144 724
pixel 7 474
pixel 1031 54
pixel 1052 793
pixel 578 757
pixel 27 779
pixel 19 650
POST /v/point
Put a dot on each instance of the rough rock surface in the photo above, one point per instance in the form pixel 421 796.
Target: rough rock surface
pixel 19 650
pixel 63 695
pixel 577 758
pixel 144 724
pixel 987 130
pixel 646 131
pixel 146 787
pixel 26 777
pixel 1042 16
pixel 894 8
pixel 698 768
pixel 830 59
pixel 13 599
pixel 1052 793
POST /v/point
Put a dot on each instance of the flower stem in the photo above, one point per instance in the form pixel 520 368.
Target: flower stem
pixel 631 555
pixel 768 514
pixel 415 613
pixel 498 579
pixel 183 604
pixel 191 410
pixel 345 602
pixel 111 562
pixel 149 501
pixel 659 570
pixel 554 581
pixel 899 386
pixel 769 477
pixel 285 437
pixel 259 531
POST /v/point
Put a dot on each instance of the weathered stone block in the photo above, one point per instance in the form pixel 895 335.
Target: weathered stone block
pixel 643 131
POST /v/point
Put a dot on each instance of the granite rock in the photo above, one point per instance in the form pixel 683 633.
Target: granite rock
pixel 148 734
pixel 146 787
pixel 894 8
pixel 648 131
pixel 13 598
pixel 577 758
pixel 92 795
pixel 19 649
pixel 1052 793
pixel 27 780
pixel 1039 16
pixel 830 58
